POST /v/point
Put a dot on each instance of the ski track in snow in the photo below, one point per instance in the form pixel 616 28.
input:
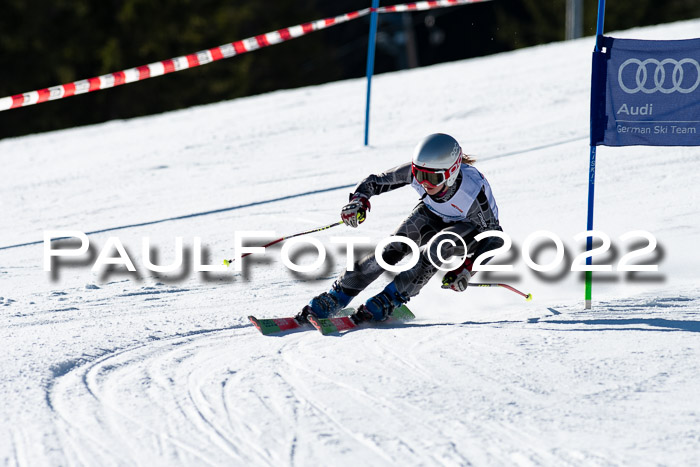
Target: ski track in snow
pixel 124 369
pixel 198 398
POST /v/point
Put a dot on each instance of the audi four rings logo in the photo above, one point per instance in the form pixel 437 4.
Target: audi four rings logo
pixel 680 81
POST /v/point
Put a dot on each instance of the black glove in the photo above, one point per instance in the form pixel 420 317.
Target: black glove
pixel 458 279
pixel 354 213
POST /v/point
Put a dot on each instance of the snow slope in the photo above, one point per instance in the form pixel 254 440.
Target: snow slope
pixel 113 368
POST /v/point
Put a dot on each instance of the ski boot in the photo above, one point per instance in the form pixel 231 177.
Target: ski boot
pixel 380 307
pixel 325 305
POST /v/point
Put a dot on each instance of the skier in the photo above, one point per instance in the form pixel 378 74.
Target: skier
pixel 455 198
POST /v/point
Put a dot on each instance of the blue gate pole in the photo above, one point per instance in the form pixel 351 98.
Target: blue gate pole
pixel 370 61
pixel 591 168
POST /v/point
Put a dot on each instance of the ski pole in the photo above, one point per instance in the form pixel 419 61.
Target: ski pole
pixel 528 296
pixel 229 261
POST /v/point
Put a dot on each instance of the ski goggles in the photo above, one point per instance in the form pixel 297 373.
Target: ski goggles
pixel 434 177
pixel 431 177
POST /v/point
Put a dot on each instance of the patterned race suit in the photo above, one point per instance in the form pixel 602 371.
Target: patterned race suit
pixel 467 208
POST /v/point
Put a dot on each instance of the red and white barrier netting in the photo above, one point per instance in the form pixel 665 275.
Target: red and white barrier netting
pixel 206 56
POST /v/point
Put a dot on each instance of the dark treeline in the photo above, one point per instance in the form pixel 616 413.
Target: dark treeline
pixel 49 42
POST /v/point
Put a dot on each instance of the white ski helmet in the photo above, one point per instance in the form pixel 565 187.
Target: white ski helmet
pixel 436 159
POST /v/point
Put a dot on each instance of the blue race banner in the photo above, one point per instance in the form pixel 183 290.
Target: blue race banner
pixel 646 93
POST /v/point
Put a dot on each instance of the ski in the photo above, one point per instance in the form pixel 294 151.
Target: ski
pixel 345 323
pixel 274 325
pixel 331 325
pixel 269 326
